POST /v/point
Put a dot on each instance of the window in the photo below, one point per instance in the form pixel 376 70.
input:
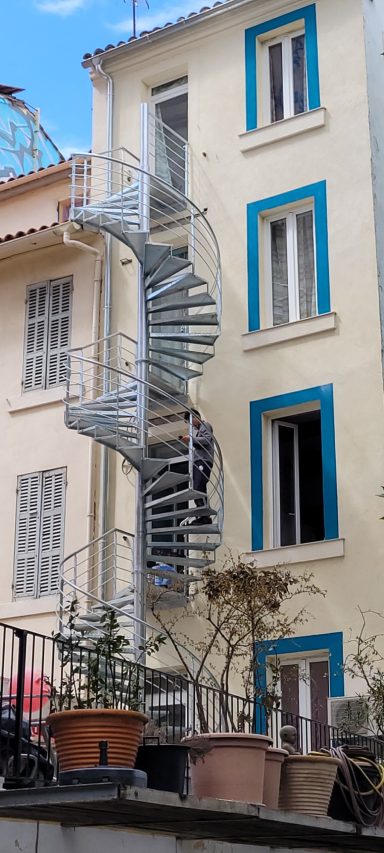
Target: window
pixel 169 132
pixel 298 513
pixel 287 76
pixel 288 271
pixel 47 333
pixel 284 65
pixel 297 503
pixel 291 253
pixel 39 539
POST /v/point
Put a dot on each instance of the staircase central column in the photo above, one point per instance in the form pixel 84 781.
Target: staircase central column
pixel 140 557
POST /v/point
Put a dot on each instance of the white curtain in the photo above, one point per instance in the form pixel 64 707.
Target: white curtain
pixel 306 264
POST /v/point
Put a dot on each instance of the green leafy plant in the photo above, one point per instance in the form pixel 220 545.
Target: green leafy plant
pixel 95 671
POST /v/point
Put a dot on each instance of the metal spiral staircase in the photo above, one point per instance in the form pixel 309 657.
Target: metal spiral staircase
pixel 132 396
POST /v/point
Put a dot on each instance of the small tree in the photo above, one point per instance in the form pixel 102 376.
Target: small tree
pixel 240 607
pixel 366 663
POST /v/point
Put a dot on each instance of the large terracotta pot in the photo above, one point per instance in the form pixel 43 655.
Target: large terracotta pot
pixel 228 766
pixel 78 734
pixel 274 759
pixel 307 783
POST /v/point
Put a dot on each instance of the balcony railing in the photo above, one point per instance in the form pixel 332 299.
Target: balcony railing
pixel 34 674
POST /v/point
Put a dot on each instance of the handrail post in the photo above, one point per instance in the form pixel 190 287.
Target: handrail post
pixel 21 660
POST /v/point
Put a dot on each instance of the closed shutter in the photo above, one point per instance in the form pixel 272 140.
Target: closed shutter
pixel 27 534
pixel 59 330
pixel 35 342
pixel 52 530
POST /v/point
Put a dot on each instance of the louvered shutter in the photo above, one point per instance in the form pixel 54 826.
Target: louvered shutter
pixel 27 534
pixel 52 530
pixel 59 330
pixel 35 340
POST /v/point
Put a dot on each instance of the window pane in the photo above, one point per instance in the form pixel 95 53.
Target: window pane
pixel 170 161
pixel 287 486
pixel 276 82
pixel 306 264
pixel 311 478
pixel 299 74
pixel 289 684
pixel 279 272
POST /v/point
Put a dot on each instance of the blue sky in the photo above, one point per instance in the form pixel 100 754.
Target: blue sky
pixel 42 45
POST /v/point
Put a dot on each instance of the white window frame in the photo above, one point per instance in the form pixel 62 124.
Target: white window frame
pixel 276 480
pixel 288 92
pixel 167 95
pixel 289 214
pixel 34 553
pixel 303 662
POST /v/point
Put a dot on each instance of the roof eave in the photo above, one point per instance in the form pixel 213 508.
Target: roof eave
pixel 163 32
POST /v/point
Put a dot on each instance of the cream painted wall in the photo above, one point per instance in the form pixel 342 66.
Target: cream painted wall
pixel 35 206
pixel 224 181
pixel 34 438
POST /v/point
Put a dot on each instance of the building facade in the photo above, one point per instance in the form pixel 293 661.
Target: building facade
pixel 50 297
pixel 285 142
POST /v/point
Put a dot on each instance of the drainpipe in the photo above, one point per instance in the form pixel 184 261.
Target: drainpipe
pixel 77 244
pixel 104 466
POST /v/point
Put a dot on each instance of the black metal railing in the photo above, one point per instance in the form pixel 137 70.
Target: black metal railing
pixel 39 674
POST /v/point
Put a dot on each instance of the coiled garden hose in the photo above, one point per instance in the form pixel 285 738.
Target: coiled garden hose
pixel 352 794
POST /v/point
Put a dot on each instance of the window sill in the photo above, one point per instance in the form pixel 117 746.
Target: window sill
pixel 279 130
pixel 35 399
pixel 326 550
pixel 28 607
pixel 289 331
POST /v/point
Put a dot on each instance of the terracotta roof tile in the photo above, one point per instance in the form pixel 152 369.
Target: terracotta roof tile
pixel 18 234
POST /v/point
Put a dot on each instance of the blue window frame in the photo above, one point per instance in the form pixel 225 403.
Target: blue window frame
pixel 252 34
pixel 322 395
pixel 331 643
pixel 317 193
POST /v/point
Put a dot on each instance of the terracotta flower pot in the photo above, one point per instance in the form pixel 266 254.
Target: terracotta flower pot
pixel 274 759
pixel 307 783
pixel 228 766
pixel 78 734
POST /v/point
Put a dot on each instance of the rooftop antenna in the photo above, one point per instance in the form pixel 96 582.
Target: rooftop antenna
pixel 134 4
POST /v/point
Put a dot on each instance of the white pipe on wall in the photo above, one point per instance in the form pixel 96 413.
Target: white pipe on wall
pixel 77 244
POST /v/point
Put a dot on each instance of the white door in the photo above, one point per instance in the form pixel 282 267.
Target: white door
pixel 168 133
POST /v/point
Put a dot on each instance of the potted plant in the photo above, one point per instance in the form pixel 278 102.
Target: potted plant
pixel 99 697
pixel 237 608
pixel 307 783
pixel 164 763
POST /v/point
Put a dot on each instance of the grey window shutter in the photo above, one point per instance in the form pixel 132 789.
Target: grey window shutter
pixel 27 534
pixel 60 309
pixel 52 530
pixel 35 339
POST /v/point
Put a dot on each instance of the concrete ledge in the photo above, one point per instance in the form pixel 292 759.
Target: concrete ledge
pixel 289 331
pixel 186 817
pixel 327 549
pixel 36 399
pixel 281 130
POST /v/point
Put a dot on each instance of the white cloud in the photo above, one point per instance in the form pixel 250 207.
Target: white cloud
pixel 158 18
pixel 61 7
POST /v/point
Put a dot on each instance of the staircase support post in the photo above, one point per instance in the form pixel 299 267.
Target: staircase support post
pixel 140 556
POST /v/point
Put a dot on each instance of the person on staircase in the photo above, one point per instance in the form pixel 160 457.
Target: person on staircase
pixel 202 458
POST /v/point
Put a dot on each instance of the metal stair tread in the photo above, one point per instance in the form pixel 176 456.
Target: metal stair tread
pixel 176 497
pixel 179 371
pixel 184 337
pixel 183 546
pixel 155 254
pixel 170 266
pixel 196 356
pixel 165 481
pixel 186 320
pixel 194 512
pixel 194 562
pixel 188 529
pixel 199 300
pixel 184 282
